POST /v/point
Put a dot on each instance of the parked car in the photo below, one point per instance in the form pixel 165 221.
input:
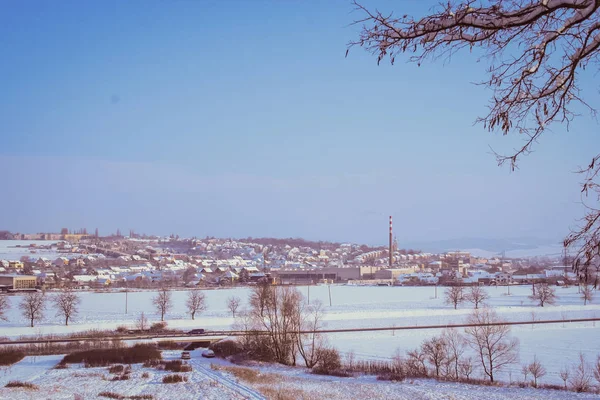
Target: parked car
pixel 185 355
pixel 196 332
pixel 208 353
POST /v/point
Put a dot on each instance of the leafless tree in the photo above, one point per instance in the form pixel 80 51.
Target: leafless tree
pixel 537 370
pixel 492 343
pixel 581 378
pixel 466 367
pixel 310 344
pixel 525 372
pixel 587 294
pixel 275 313
pixel 196 302
pixel 454 295
pixel 142 322
pixel 4 307
pixel 32 306
pixel 536 52
pixel 477 295
pixel 564 375
pixel 435 352
pixel 545 294
pixel 163 303
pixel 233 303
pixel 67 304
pixel 455 348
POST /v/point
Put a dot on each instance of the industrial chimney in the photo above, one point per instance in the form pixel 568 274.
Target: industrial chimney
pixel 391 248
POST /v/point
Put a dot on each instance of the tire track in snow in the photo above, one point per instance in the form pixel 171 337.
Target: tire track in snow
pixel 242 390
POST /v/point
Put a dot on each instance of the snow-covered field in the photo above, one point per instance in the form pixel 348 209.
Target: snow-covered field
pixel 207 383
pixel 555 345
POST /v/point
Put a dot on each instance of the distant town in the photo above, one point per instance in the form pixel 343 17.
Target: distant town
pixel 90 261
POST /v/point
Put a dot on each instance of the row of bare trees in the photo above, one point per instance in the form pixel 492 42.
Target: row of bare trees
pixel 444 356
pixel 195 303
pixel 542 294
pixel 33 305
pixel 456 295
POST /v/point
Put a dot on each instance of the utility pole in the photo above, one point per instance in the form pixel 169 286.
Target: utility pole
pixel 329 286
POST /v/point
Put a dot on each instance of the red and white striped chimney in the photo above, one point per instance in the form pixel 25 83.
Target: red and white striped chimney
pixel 391 249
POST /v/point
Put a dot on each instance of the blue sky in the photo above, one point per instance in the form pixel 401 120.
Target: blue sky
pixel 235 118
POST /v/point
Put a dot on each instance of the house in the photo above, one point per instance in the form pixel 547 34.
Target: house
pixel 43 262
pixel 61 261
pixel 103 281
pixel 77 262
pixel 15 265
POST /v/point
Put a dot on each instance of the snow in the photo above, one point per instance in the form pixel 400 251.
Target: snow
pixel 206 383
pixel 203 383
pixel 555 345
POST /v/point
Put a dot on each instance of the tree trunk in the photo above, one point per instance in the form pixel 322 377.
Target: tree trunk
pixel 193 312
pixel 32 322
pixel 66 321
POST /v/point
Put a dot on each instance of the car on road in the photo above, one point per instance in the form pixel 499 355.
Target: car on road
pixel 196 332
pixel 185 355
pixel 208 353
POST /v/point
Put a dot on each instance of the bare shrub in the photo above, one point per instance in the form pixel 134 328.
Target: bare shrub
pixel 416 364
pixel 465 367
pixel 226 348
pixel 493 344
pixel 116 369
pixel 139 353
pixel 10 356
pixel 67 304
pixel 477 295
pixel 170 345
pixel 32 306
pixel 177 366
pixel 113 395
pixel 122 329
pixel 175 378
pixel 142 322
pixel 537 370
pixel 158 327
pixel 580 380
pixel 163 303
pixel 196 302
pixel 20 384
pixel 545 294
pixel 329 362
pixel 525 372
pixel 454 295
pixel 564 375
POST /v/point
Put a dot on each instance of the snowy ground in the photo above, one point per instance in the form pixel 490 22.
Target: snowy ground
pixel 207 383
pixel 203 383
pixel 354 307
